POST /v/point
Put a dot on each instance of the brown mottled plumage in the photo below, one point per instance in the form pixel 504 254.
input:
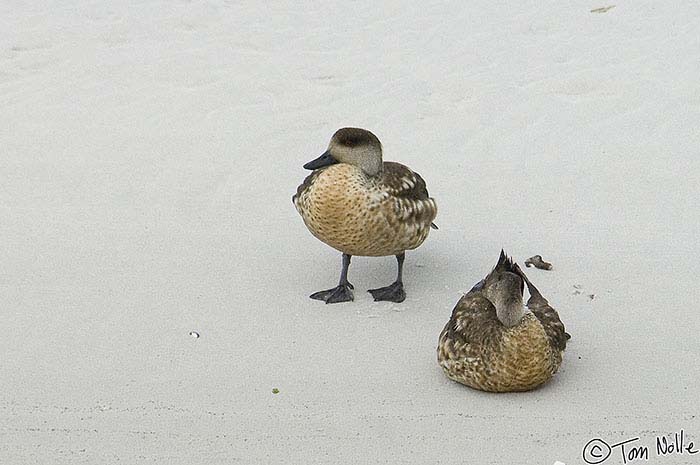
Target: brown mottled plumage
pixel 492 344
pixel 362 215
pixel 360 205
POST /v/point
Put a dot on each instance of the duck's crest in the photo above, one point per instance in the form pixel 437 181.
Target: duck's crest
pixel 505 263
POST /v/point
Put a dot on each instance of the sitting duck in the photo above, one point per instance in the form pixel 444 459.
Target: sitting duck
pixel 360 205
pixel 492 343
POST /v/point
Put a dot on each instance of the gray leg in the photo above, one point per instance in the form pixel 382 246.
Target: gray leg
pixel 393 292
pixel 341 293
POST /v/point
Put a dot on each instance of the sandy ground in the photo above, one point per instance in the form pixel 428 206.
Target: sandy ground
pixel 148 153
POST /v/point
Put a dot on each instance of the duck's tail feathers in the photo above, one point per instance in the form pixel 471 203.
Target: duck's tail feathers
pixel 434 226
pixel 535 294
pixel 549 317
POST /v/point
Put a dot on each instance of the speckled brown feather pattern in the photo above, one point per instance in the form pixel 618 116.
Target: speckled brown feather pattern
pixel 477 350
pixel 366 215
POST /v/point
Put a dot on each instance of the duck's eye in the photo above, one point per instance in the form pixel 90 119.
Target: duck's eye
pixel 350 141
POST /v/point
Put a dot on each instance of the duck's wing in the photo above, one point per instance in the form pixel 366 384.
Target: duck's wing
pixel 404 182
pixel 473 322
pixel 549 318
pixel 410 193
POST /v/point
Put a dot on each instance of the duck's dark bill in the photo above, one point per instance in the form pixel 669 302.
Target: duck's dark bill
pixel 324 160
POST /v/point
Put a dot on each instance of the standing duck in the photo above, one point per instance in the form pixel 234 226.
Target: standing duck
pixel 359 205
pixel 493 343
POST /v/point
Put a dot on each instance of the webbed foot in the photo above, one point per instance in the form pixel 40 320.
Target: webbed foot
pixel 392 293
pixel 341 293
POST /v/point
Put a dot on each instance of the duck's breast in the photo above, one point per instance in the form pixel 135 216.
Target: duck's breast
pixel 526 358
pixel 341 206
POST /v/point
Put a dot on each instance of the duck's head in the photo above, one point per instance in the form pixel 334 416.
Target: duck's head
pixel 504 288
pixel 354 146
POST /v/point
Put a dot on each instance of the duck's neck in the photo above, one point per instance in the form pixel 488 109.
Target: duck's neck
pixel 510 313
pixel 372 166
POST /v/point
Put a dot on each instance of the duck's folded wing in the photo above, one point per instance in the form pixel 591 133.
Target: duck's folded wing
pixel 473 320
pixel 411 199
pixel 549 317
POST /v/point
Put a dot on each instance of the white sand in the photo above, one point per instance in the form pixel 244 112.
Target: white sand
pixel 148 153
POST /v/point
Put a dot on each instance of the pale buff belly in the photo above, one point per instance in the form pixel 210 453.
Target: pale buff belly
pixel 344 210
